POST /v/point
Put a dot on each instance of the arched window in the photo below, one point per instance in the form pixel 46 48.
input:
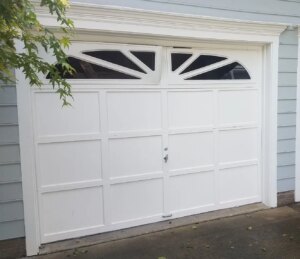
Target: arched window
pixel 110 64
pixel 207 67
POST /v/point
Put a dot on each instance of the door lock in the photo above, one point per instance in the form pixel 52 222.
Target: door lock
pixel 166 158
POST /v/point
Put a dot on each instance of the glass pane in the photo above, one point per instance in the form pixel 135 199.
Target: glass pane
pixel 116 57
pixel 148 58
pixel 232 71
pixel 202 61
pixel 178 59
pixel 86 70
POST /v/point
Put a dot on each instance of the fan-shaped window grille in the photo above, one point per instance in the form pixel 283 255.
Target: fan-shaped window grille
pixel 207 67
pixel 231 71
pixel 202 61
pixel 148 58
pixel 115 57
pixel 112 64
pixel 87 70
pixel 178 59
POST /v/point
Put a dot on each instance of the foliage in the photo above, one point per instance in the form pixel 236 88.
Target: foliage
pixel 19 22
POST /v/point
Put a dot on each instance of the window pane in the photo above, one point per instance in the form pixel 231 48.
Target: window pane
pixel 202 61
pixel 116 57
pixel 178 59
pixel 148 58
pixel 231 71
pixel 86 70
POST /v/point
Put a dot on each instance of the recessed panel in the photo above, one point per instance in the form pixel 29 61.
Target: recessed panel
pixel 190 150
pixel 238 183
pixel 81 117
pixel 190 109
pixel 238 107
pixel 136 200
pixel 133 156
pixel 70 162
pixel 132 111
pixel 71 210
pixel 238 145
pixel 191 191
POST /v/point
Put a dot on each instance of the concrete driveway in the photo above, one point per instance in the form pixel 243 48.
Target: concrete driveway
pixel 272 233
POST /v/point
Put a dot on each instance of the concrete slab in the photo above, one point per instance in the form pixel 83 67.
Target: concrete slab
pixel 272 233
pixel 12 248
pixel 149 228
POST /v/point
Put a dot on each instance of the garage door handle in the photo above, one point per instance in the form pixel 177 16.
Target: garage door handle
pixel 166 158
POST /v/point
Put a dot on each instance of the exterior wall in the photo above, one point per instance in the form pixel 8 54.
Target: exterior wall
pixel 287 110
pixel 11 205
pixel 283 11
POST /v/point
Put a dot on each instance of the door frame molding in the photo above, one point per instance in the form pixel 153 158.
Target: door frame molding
pixel 297 159
pixel 99 23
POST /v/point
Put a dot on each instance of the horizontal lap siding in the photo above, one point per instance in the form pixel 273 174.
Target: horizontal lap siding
pixel 255 10
pixel 287 92
pixel 11 204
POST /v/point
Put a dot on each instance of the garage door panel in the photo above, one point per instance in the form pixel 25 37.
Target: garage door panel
pixel 134 156
pixel 238 107
pixel 191 191
pixel 134 111
pixel 190 150
pixel 70 162
pixel 69 210
pixel 238 145
pixel 82 117
pixel 134 151
pixel 244 180
pixel 136 200
pixel 190 109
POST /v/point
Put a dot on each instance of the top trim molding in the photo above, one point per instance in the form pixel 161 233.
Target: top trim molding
pixel 128 20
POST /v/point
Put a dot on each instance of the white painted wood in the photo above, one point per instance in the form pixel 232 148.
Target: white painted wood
pixel 66 120
pixel 136 200
pixel 183 116
pixel 128 111
pixel 297 168
pixel 135 156
pixel 111 143
pixel 269 118
pixel 244 180
pixel 67 210
pixel 65 162
pixel 147 26
pixel 132 21
pixel 26 133
pixel 191 191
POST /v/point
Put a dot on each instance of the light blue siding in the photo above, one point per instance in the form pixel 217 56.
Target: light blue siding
pixel 255 10
pixel 11 205
pixel 287 109
pixel 287 94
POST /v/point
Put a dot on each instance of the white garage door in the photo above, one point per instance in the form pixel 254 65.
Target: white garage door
pixel 153 133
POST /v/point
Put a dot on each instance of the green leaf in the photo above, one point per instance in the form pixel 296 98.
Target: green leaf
pixel 18 21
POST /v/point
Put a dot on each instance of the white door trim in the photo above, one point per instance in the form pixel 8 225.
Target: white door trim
pixel 297 168
pixel 91 20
